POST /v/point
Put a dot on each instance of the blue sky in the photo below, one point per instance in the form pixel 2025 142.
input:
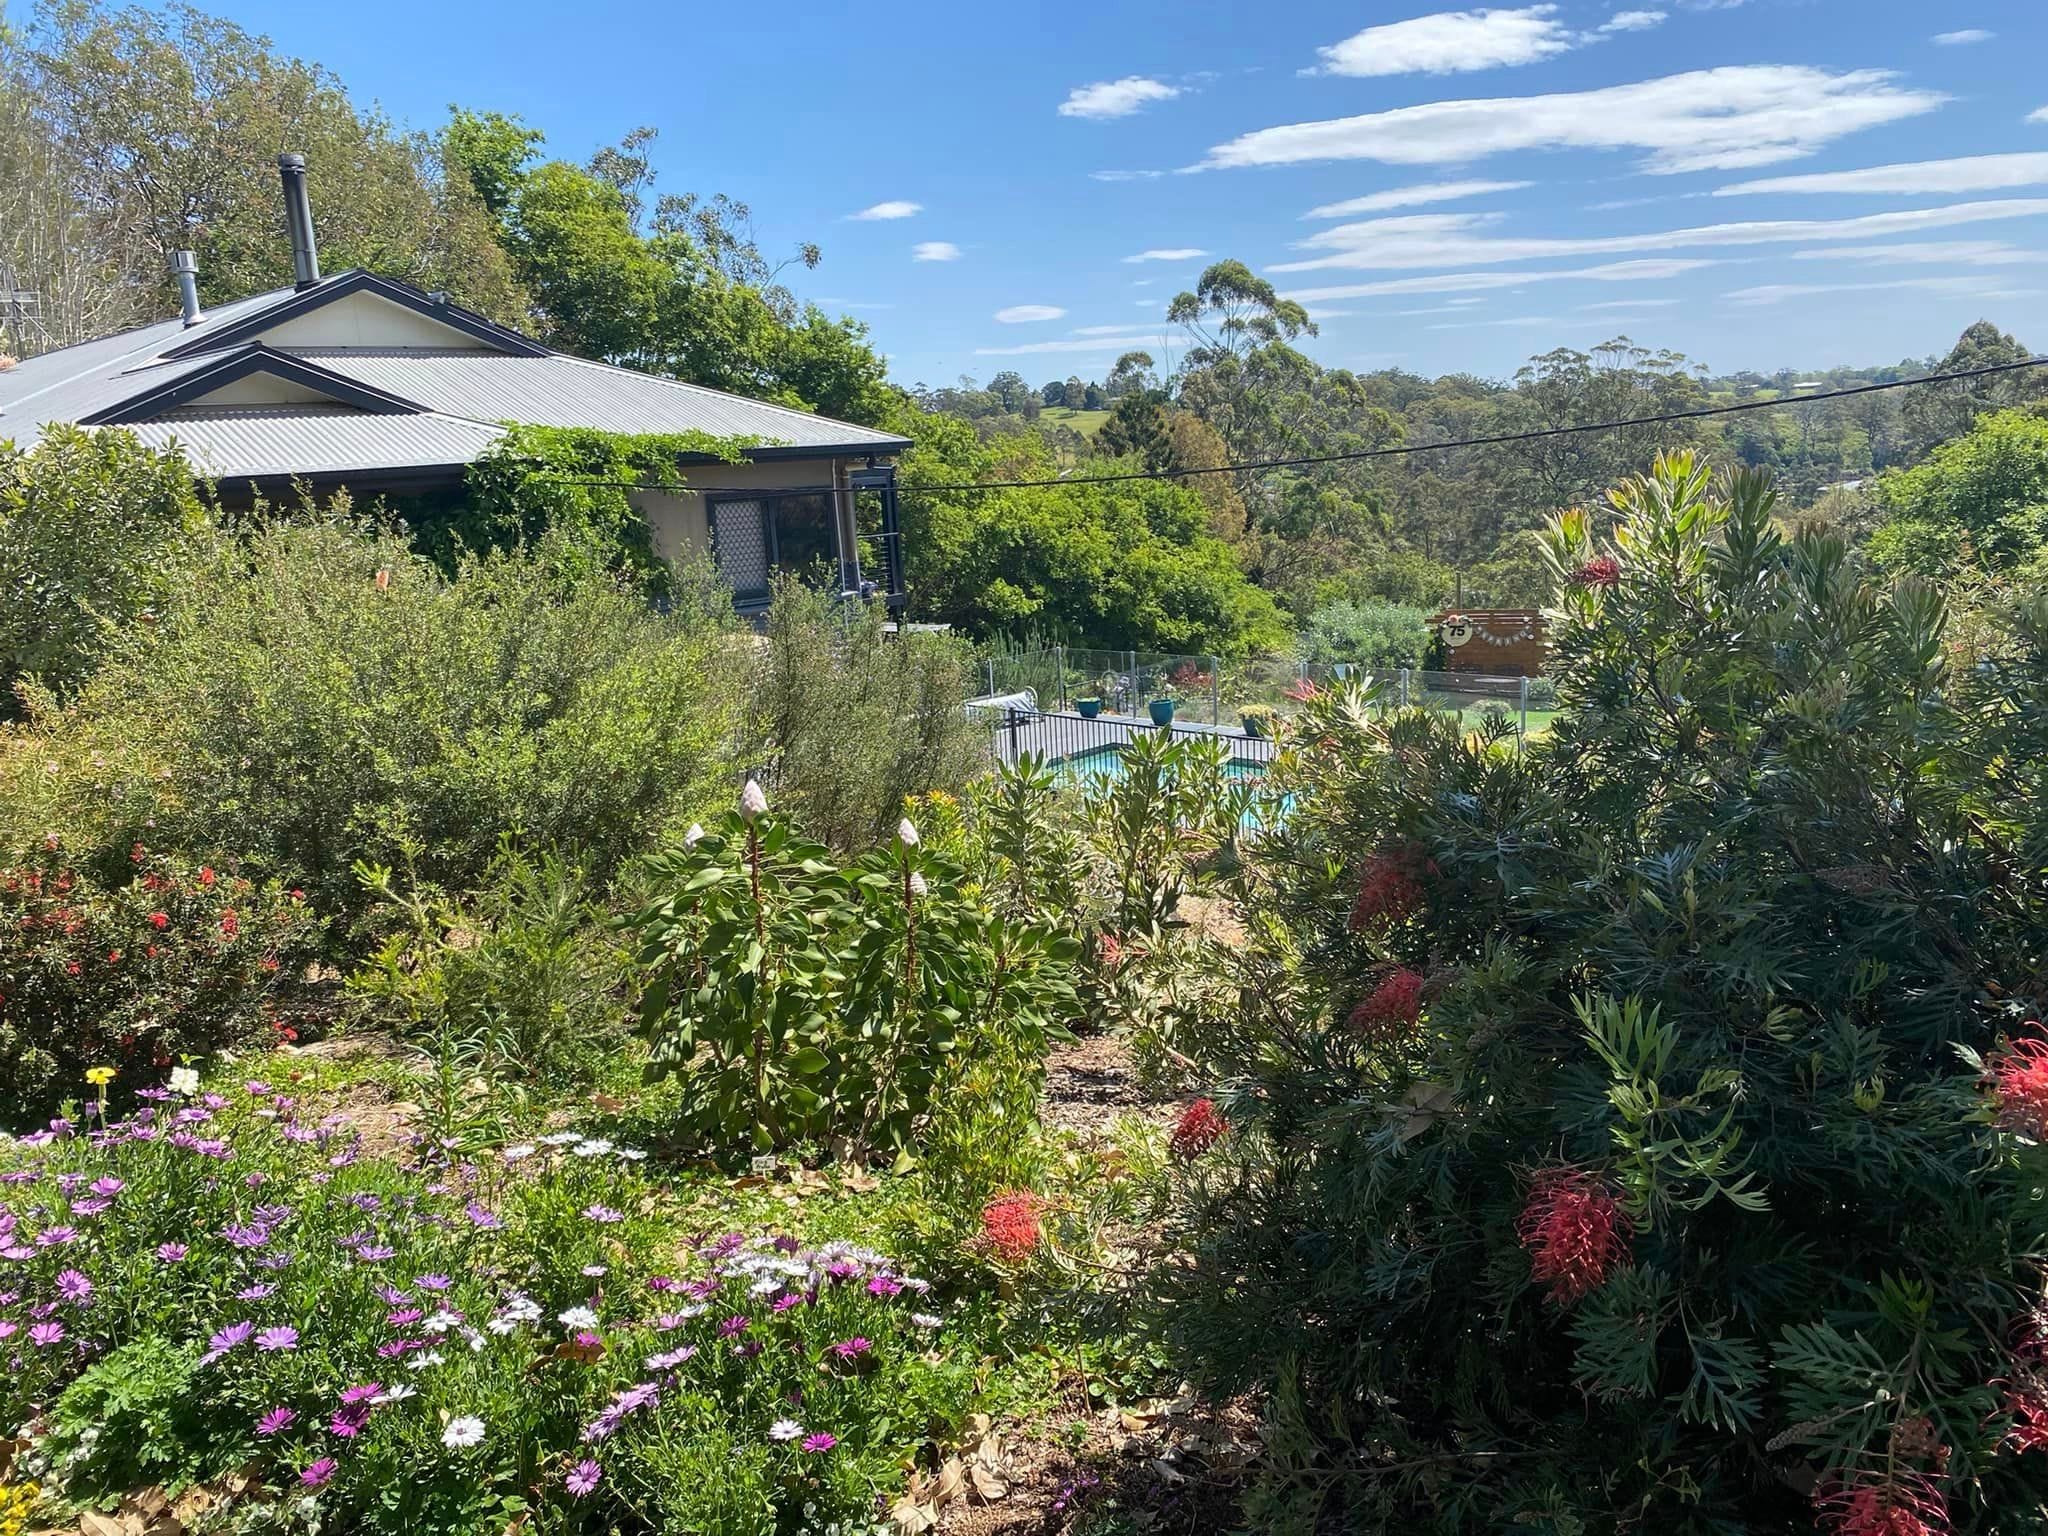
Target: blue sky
pixel 1448 189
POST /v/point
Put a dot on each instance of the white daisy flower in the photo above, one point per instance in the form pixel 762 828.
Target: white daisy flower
pixel 463 1432
pixel 577 1317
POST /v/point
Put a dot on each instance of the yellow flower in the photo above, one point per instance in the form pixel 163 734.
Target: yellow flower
pixel 99 1077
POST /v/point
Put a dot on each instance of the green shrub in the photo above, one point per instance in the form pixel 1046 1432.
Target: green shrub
pixel 851 719
pixel 524 968
pixel 801 1001
pixel 1369 634
pixel 95 533
pixel 330 699
pixel 1645 1130
pixel 177 962
pixel 238 1283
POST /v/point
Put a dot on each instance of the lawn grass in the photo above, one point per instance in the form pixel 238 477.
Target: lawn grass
pixel 1087 423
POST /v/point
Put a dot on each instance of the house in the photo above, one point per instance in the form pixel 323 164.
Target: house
pixel 359 381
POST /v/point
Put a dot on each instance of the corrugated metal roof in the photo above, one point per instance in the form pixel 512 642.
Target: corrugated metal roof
pixel 80 381
pixel 254 441
pixel 564 391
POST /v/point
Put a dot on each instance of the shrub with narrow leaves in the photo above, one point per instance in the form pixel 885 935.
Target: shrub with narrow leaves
pixel 1700 1187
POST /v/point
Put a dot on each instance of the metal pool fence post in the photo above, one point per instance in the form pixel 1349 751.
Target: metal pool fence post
pixel 1523 734
pixel 1216 690
pixel 1404 687
pixel 991 677
pixel 1059 661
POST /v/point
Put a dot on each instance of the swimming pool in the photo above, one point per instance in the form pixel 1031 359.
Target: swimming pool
pixel 1099 767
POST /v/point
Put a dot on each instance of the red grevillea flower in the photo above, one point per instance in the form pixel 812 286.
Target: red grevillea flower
pixel 1109 950
pixel 2019 1085
pixel 1010 1224
pixel 1393 1008
pixel 1904 1504
pixel 1200 1126
pixel 1574 1231
pixel 1601 571
pixel 2029 1410
pixel 1390 890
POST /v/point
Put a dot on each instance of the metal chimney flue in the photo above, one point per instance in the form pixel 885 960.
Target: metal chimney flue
pixel 298 219
pixel 185 267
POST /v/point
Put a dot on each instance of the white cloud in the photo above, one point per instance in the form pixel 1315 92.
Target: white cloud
pixel 896 208
pixel 1632 21
pixel 1705 119
pixel 1125 175
pixel 1963 38
pixel 1102 330
pixel 1953 287
pixel 1413 197
pixel 1459 239
pixel 1174 253
pixel 1961 253
pixel 1024 314
pixel 1453 308
pixel 1468 282
pixel 1450 42
pixel 1614 304
pixel 1106 345
pixel 1115 98
pixel 935 250
pixel 2040 116
pixel 1476 325
pixel 1945 178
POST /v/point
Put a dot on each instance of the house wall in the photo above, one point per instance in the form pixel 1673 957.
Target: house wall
pixel 681 525
pixel 365 320
pixel 259 389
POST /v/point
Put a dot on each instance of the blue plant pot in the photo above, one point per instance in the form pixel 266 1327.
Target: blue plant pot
pixel 1089 708
pixel 1161 711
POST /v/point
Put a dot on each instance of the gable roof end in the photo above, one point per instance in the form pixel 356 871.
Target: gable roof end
pixel 196 383
pixel 328 290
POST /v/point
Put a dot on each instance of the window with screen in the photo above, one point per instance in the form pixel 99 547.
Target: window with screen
pixel 751 537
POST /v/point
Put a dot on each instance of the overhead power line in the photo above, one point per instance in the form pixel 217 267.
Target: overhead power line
pixel 1305 461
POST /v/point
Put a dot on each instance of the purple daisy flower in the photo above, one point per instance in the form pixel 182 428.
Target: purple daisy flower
pixel 885 1285
pixel 432 1282
pixel 73 1286
pixel 8 1328
pixel 391 1296
pixel 282 1337
pixel 43 1335
pixel 55 1237
pixel 485 1220
pixel 602 1214
pixel 172 1253
pixel 91 1206
pixel 107 1185
pixel 732 1327
pixel 277 1258
pixel 361 1392
pixel 250 1236
pixel 320 1473
pixel 583 1478
pixel 347 1423
pixel 261 1292
pixel 276 1422
pixel 785 1301
pixel 402 1317
pixel 375 1253
pixel 851 1349
pixel 820 1442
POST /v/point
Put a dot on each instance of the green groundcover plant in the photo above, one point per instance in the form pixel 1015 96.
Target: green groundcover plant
pixel 1644 1128
pixel 230 1282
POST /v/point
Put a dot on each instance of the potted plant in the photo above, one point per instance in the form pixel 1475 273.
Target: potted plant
pixel 1161 711
pixel 1258 720
pixel 1089 707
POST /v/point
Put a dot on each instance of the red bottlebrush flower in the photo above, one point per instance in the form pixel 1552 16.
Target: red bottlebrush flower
pixel 1390 890
pixel 1574 1231
pixel 1904 1504
pixel 160 919
pixel 1010 1224
pixel 75 969
pixel 2019 1085
pixel 205 875
pixel 113 957
pixel 1392 1009
pixel 1602 571
pixel 1200 1126
pixel 1300 692
pixel 230 925
pixel 1109 951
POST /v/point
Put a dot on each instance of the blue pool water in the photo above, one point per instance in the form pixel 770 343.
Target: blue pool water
pixel 1099 766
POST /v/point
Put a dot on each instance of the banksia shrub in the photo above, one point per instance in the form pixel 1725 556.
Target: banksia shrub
pixel 1574 1231
pixel 1012 1225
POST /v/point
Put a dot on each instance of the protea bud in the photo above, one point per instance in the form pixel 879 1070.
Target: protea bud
pixel 906 834
pixel 752 801
pixel 694 836
pixel 918 888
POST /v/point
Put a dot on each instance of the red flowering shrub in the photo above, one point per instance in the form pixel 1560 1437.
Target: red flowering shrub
pixel 1903 1504
pixel 1391 889
pixel 1602 571
pixel 1012 1225
pixel 2029 1410
pixel 1199 1128
pixel 2019 1084
pixel 175 963
pixel 1574 1231
pixel 1393 1007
